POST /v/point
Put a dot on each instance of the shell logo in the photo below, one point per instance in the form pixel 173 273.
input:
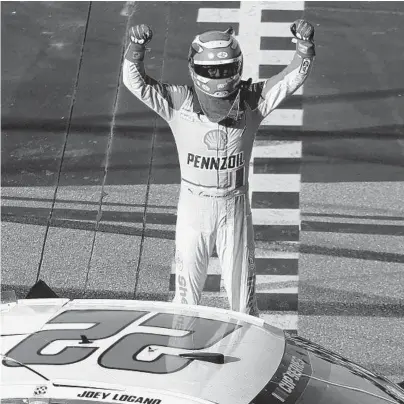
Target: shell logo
pixel 216 139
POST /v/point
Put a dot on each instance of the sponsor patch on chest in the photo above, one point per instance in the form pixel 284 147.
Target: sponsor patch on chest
pixel 216 163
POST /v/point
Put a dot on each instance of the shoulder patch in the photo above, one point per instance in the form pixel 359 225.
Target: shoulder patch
pixel 304 66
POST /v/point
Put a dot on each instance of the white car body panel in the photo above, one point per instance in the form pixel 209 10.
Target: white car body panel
pixel 28 316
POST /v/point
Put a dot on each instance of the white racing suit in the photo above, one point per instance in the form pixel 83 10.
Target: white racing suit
pixel 214 158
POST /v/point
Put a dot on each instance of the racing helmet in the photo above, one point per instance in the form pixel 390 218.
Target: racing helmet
pixel 216 63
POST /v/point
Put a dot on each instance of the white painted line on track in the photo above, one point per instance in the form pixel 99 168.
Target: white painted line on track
pixel 278 57
pixel 273 217
pixel 283 247
pixel 275 29
pixel 268 253
pixel 277 279
pixel 222 294
pixel 281 149
pixel 249 36
pixel 281 5
pixel 280 117
pixel 281 320
pixel 214 266
pixel 290 291
pixel 212 15
pixel 277 291
pixel 275 183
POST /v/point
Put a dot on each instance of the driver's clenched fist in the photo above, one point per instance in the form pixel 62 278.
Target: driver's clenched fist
pixel 302 29
pixel 141 34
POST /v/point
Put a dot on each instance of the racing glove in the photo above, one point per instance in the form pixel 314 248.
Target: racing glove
pixel 303 31
pixel 140 36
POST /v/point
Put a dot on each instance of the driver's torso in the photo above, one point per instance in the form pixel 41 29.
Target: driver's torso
pixel 211 155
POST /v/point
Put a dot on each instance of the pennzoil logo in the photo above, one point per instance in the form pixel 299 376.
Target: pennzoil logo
pixel 215 139
pixel 216 163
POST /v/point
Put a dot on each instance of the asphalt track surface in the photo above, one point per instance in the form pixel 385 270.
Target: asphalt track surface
pixel 74 140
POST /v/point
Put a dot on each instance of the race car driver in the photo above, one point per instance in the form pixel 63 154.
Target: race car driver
pixel 214 124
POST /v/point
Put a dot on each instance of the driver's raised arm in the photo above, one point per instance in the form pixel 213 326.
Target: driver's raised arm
pixel 160 97
pixel 279 87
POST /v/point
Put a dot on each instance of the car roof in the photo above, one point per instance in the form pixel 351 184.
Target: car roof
pixel 145 354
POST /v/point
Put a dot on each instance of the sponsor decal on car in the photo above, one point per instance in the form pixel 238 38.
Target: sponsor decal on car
pixel 101 395
pixel 40 390
pixel 290 380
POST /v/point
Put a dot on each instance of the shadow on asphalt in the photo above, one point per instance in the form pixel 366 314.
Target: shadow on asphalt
pixel 321 301
pixel 100 122
pixel 362 154
pixel 92 226
pixel 125 127
pixel 351 253
pixel 344 216
pixel 86 220
pixel 354 228
pixel 79 293
pixel 104 203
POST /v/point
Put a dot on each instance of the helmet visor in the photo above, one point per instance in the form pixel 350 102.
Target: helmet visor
pixel 218 71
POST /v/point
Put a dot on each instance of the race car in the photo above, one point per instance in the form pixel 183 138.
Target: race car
pixel 61 351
